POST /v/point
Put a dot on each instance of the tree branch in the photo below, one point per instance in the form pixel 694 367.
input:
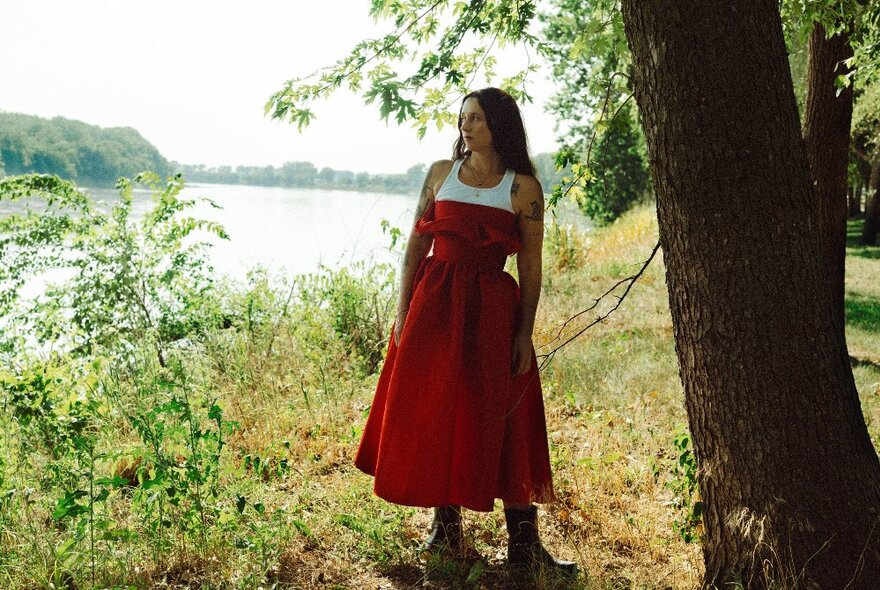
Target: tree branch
pixel 628 281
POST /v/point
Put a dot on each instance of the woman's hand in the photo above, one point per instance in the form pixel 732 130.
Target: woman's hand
pixel 398 325
pixel 522 353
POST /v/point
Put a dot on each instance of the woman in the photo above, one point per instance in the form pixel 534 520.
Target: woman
pixel 458 418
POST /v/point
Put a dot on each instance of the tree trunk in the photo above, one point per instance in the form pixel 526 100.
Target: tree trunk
pixel 827 121
pixel 855 199
pixel 789 479
pixel 872 207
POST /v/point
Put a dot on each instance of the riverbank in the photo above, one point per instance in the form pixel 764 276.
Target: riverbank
pixel 231 465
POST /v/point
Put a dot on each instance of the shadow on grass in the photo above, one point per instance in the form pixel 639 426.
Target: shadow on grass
pixel 855 361
pixel 863 312
pixel 854 247
pixel 439 574
pixel 404 576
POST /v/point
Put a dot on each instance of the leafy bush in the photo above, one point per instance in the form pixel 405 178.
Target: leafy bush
pixel 128 281
pixel 358 303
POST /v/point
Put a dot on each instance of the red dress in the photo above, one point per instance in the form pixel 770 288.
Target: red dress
pixel 449 423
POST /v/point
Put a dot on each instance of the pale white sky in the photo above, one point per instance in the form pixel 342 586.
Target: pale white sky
pixel 192 76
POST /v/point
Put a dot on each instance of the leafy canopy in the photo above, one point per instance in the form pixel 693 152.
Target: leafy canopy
pixel 418 71
pixel 438 47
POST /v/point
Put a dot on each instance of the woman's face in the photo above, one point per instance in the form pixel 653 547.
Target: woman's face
pixel 473 126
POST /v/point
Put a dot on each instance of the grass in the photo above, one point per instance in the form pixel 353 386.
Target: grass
pixel 291 510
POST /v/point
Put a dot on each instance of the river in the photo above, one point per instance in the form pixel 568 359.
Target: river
pixel 292 230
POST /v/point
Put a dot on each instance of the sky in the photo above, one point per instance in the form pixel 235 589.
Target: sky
pixel 193 76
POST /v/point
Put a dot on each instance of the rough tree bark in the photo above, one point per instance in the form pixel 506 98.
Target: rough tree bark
pixel 789 479
pixel 827 122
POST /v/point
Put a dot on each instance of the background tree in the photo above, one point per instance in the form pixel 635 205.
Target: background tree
pixel 86 154
pixel 866 144
pixel 830 78
pixel 859 172
pixel 597 126
pixel 619 173
pixel 773 410
pixel 826 130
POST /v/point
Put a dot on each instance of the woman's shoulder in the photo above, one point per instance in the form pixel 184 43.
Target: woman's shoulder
pixel 437 173
pixel 440 167
pixel 527 186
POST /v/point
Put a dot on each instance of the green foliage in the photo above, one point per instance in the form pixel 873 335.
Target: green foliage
pixel 358 302
pixel 52 409
pixel 565 246
pixel 620 177
pixel 438 74
pixel 182 433
pixel 686 491
pixel 599 135
pixel 394 233
pixel 860 17
pixel 115 422
pixel 866 122
pixel 128 280
pixel 134 292
pixel 74 150
pixel 587 47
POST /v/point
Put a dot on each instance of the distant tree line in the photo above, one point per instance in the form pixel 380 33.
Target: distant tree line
pixel 93 156
pixel 86 154
pixel 307 175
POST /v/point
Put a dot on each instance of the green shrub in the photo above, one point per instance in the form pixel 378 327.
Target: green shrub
pixel 127 282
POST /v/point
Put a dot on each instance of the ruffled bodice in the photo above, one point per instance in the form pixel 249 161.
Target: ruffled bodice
pixel 470 234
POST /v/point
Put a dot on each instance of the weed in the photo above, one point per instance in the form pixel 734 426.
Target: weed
pixel 686 491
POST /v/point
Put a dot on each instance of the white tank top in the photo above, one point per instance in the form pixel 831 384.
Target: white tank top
pixel 498 196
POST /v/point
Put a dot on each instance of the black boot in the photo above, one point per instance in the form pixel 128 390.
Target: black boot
pixel 445 532
pixel 524 548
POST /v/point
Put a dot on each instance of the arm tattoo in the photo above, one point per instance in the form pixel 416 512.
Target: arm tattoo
pixel 423 196
pixel 515 188
pixel 537 213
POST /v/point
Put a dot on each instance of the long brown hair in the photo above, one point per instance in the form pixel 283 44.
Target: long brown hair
pixel 505 123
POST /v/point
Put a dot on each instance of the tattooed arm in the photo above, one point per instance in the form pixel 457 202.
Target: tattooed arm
pixel 527 198
pixel 417 245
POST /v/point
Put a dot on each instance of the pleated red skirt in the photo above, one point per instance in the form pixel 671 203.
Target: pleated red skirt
pixel 449 423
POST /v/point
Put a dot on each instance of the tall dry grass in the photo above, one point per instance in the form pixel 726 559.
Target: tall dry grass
pixel 292 510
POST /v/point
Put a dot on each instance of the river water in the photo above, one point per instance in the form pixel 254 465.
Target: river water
pixel 291 230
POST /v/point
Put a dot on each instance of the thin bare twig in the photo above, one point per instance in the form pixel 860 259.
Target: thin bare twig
pixel 628 281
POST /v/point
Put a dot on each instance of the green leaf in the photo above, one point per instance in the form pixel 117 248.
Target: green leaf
pixel 116 481
pixel 67 507
pixel 303 528
pixel 476 572
pixel 215 413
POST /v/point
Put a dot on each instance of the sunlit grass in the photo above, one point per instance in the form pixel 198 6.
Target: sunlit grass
pixel 294 512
